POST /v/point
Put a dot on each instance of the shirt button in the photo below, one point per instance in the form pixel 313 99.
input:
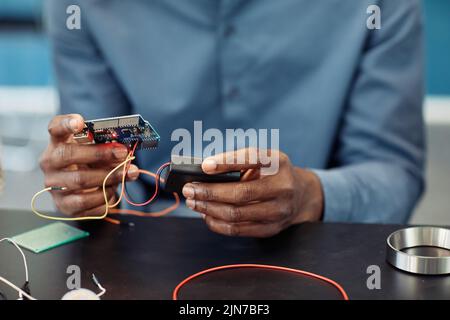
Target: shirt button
pixel 233 93
pixel 229 31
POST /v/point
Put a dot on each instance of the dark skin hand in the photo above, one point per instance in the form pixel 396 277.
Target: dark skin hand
pixel 258 205
pixel 81 168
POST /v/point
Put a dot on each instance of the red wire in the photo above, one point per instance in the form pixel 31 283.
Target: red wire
pixel 155 193
pixel 138 213
pixel 259 266
pixel 154 214
pixel 131 154
pixel 157 178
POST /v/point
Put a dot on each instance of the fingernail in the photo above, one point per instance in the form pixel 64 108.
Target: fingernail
pixel 120 152
pixel 203 216
pixel 190 204
pixel 73 123
pixel 209 164
pixel 133 173
pixel 188 191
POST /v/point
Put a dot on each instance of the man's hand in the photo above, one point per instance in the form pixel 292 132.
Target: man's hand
pixel 258 205
pixel 81 168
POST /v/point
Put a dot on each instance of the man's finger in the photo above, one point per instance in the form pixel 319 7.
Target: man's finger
pixel 243 229
pixel 77 203
pixel 94 212
pixel 267 211
pixel 88 178
pixel 242 159
pixel 98 211
pixel 230 192
pixel 62 126
pixel 66 154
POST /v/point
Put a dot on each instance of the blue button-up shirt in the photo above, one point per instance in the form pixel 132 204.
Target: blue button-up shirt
pixel 347 100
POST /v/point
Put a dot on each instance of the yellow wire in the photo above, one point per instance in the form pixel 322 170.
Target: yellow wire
pixel 107 205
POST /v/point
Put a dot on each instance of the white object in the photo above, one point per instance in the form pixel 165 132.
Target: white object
pixel 81 294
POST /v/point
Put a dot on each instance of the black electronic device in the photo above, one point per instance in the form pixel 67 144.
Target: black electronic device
pixel 184 169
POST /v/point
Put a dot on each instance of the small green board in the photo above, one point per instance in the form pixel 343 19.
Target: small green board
pixel 48 237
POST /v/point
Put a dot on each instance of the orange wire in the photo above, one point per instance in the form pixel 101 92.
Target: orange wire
pixel 111 220
pixel 259 266
pixel 157 177
pixel 125 170
pixel 148 214
pixel 140 213
pixel 150 174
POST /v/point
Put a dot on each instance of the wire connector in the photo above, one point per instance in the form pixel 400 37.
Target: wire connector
pixel 26 288
pixel 58 188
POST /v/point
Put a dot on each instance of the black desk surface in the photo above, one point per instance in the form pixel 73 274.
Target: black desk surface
pixel 148 260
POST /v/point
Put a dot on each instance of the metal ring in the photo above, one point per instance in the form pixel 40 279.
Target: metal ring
pixel 419 237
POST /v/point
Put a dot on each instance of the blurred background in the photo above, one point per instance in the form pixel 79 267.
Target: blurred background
pixel 28 100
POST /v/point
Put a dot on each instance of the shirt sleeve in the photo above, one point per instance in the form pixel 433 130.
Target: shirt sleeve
pixel 85 80
pixel 377 167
